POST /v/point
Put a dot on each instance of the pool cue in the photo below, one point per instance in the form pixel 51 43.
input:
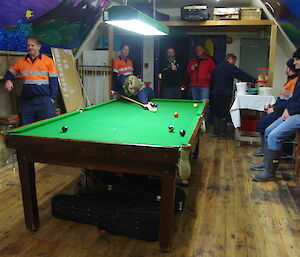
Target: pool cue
pixel 131 100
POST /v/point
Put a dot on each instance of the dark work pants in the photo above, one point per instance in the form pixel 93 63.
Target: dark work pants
pixel 170 93
pixel 266 120
pixel 220 105
pixel 35 109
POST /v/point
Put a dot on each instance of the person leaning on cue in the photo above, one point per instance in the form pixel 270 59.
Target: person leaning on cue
pixel 221 91
pixel 280 131
pixel 275 111
pixel 40 86
pixel 199 71
pixel 136 89
pixel 122 68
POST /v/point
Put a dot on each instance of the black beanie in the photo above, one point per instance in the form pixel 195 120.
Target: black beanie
pixel 297 54
pixel 290 64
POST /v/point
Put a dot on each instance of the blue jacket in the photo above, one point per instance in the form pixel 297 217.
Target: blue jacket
pixel 222 78
pixel 293 105
pixel 145 95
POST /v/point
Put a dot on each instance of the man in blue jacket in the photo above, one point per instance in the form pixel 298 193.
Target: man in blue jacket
pixel 281 130
pixel 221 91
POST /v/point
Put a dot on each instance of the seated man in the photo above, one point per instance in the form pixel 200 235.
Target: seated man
pixel 281 130
pixel 274 112
pixel 136 89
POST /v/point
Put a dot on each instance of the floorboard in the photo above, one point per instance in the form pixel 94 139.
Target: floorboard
pixel 226 214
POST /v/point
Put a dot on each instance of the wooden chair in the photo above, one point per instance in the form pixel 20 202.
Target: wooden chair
pixel 8 123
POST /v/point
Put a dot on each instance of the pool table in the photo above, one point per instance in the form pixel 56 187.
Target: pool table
pixel 117 136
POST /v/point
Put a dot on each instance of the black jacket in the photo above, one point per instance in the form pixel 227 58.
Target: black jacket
pixel 222 78
pixel 170 78
pixel 294 102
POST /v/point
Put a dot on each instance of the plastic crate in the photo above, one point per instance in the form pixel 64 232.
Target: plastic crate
pixel 248 123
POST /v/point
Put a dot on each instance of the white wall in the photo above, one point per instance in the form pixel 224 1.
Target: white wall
pixel 148 54
pixel 284 51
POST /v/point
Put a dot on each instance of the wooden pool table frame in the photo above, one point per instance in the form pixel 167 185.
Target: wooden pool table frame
pixel 115 157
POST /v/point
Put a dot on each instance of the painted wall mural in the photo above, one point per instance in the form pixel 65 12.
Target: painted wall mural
pixel 287 13
pixel 58 23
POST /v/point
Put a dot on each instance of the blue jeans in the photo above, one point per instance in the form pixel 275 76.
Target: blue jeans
pixel 266 121
pixel 281 130
pixel 36 109
pixel 199 93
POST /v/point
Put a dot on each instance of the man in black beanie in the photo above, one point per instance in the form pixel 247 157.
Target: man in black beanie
pixel 281 130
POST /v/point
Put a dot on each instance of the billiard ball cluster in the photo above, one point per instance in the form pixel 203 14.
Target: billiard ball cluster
pixel 153 104
pixel 182 132
pixel 171 127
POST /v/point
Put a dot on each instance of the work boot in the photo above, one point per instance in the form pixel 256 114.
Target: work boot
pixel 260 152
pixel 272 159
pixel 261 165
pixel 216 130
pixel 257 166
pixel 223 129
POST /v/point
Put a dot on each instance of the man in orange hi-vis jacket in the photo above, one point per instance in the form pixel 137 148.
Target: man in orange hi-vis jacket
pixel 40 86
pixel 122 68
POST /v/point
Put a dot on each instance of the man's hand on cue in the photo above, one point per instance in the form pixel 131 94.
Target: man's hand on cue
pixel 113 93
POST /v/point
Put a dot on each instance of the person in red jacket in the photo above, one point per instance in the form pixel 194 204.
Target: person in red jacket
pixel 199 71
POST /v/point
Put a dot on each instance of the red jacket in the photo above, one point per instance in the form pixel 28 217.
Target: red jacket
pixel 201 75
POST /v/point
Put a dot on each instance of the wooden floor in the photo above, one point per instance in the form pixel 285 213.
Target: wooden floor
pixel 226 215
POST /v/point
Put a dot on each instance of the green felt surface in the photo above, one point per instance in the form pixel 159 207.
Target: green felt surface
pixel 123 122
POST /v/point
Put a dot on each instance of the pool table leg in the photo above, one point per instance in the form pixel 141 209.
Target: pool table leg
pixel 27 178
pixel 168 188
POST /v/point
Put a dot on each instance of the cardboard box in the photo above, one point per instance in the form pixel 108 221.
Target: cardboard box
pixel 227 13
pixel 251 13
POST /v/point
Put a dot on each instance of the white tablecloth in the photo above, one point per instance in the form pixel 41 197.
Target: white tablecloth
pixel 252 102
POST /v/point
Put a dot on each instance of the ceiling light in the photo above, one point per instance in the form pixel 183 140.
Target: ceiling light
pixel 129 18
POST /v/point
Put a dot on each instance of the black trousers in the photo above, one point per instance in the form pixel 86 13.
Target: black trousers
pixel 170 93
pixel 220 105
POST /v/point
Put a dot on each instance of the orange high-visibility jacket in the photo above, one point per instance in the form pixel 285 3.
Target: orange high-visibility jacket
pixel 37 72
pixel 39 76
pixel 288 89
pixel 123 66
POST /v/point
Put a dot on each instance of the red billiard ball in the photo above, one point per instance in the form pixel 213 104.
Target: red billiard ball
pixel 176 114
